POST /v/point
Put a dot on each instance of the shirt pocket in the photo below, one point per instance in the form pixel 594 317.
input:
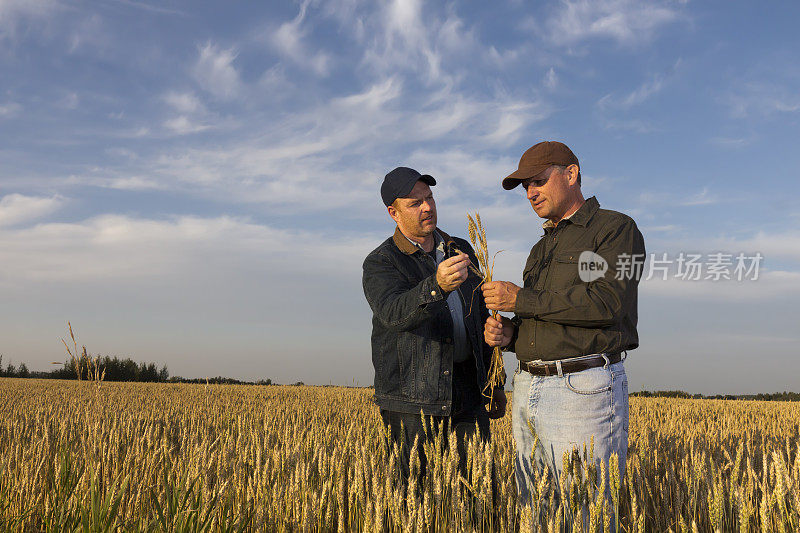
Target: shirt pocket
pixel 564 269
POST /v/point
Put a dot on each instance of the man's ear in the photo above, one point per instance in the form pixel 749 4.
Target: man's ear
pixel 392 210
pixel 572 174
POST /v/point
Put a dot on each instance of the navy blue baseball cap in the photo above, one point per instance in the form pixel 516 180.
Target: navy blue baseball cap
pixel 399 182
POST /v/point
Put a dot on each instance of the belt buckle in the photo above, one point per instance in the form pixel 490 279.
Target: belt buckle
pixel 538 363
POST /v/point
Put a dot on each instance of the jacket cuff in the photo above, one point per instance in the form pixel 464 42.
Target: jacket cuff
pixel 431 292
pixel 525 306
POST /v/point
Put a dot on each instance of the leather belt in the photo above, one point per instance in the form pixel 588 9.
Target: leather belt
pixel 568 366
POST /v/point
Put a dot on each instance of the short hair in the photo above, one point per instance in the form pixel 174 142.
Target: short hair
pixel 562 168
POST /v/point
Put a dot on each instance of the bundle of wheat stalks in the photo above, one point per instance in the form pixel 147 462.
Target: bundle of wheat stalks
pixel 478 237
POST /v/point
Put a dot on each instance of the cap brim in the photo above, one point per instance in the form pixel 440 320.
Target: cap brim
pixel 427 178
pixel 516 177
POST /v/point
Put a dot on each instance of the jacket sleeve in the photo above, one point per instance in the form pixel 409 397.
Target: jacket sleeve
pixel 398 304
pixel 600 303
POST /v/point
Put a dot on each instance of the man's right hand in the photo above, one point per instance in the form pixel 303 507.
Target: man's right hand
pixel 498 332
pixel 452 272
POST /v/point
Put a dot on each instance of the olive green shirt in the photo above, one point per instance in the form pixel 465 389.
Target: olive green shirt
pixel 558 315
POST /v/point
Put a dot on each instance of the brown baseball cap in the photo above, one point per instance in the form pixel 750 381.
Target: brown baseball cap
pixel 538 158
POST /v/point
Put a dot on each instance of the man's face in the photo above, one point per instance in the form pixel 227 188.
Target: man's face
pixel 549 193
pixel 415 214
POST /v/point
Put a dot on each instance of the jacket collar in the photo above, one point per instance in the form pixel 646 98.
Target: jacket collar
pixel 406 246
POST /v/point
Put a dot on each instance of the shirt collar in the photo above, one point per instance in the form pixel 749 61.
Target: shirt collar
pixel 408 247
pixel 581 216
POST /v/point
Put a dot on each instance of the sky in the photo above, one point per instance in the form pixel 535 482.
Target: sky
pixel 197 183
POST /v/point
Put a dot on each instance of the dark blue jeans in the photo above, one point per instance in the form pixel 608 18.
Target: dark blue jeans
pixel 467 410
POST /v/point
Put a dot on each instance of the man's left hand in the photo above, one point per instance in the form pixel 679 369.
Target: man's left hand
pixel 497 407
pixel 500 295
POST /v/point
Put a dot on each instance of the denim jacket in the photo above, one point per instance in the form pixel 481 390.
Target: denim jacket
pixel 412 330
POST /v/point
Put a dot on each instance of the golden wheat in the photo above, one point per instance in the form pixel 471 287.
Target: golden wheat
pixel 477 234
pixel 114 456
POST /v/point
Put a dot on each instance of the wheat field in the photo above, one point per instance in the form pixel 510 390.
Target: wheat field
pixel 171 457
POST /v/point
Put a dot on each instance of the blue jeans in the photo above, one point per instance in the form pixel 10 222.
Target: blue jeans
pixel 566 411
pixel 467 409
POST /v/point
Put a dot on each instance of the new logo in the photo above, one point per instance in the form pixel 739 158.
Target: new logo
pixel 591 266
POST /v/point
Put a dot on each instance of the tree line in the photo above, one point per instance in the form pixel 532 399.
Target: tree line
pixel 769 396
pixel 116 369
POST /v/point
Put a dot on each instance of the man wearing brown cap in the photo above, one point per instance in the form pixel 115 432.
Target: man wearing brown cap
pixel 575 315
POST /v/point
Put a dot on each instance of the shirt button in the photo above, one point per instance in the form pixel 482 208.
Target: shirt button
pixel 433 293
pixel 446 372
pixel 444 408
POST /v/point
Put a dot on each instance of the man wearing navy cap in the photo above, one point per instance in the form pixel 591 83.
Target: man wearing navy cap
pixel 427 326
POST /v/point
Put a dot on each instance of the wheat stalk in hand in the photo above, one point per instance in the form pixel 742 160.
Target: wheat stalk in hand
pixel 478 237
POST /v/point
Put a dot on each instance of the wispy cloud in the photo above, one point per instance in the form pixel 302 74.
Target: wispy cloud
pixel 18 208
pixel 730 142
pixel 192 116
pixel 374 97
pixel 762 99
pixel 615 110
pixel 215 72
pixel 115 247
pixel 13 13
pixel 144 6
pixel 704 197
pixel 379 123
pixel 183 125
pixel 133 183
pixel 777 247
pixel 412 38
pixel 624 21
pixel 658 229
pixel 768 286
pixel 9 109
pixel 635 97
pixel 551 79
pixel 186 102
pixel 289 40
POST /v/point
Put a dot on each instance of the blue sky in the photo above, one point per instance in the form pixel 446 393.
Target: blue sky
pixel 198 184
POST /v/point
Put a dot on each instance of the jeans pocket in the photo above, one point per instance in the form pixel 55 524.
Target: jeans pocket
pixel 591 381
